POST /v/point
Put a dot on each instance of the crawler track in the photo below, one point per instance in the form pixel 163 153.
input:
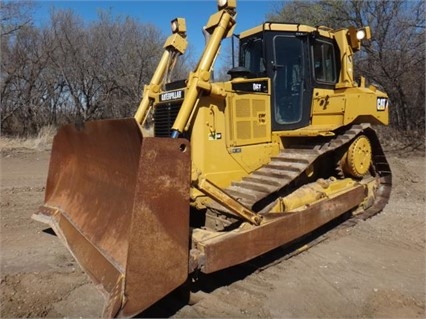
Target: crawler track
pixel 285 171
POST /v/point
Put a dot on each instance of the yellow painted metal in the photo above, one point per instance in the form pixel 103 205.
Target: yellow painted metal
pixel 231 4
pixel 346 78
pixel 208 132
pixel 234 128
pixel 312 193
pixel 178 25
pixel 357 160
pixel 334 108
pixel 362 106
pixel 211 88
pixel 345 38
pixel 348 44
pixel 328 108
pixel 220 25
pixel 310 130
pixel 353 40
pixel 348 102
pixel 150 89
pixel 371 184
pixel 229 202
pixel 271 26
pixel 251 119
pixel 175 44
pixel 222 161
pixel 226 158
pixel 252 157
pixel 229 151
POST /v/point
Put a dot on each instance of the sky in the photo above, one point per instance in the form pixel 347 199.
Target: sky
pixel 250 13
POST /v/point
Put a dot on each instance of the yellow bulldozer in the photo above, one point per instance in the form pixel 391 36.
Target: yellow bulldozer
pixel 232 169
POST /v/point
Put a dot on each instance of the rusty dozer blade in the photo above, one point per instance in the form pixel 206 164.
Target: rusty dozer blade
pixel 120 202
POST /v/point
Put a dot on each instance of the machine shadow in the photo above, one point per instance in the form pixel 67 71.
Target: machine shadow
pixel 207 283
pixel 49 231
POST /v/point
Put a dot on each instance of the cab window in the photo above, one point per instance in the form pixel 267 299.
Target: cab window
pixel 288 79
pixel 252 56
pixel 324 65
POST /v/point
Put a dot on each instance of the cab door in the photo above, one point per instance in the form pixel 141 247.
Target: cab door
pixel 291 85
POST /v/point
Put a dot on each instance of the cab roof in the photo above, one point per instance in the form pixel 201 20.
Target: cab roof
pixel 290 27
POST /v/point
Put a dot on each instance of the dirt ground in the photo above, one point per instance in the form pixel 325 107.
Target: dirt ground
pixel 375 269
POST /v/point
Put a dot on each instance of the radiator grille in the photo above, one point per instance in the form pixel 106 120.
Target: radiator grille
pixel 164 117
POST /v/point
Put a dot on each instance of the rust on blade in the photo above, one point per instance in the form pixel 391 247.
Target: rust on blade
pixel 92 181
pixel 246 243
pixel 120 204
pixel 158 254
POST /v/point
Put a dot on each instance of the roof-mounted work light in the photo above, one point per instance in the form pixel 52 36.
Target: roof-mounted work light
pixel 178 25
pixel 355 36
pixel 363 33
pixel 226 4
pixel 360 34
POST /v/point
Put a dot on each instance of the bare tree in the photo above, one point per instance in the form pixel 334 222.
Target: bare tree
pixel 128 54
pixel 71 70
pixel 309 12
pixel 105 64
pixel 71 60
pixel 15 15
pixel 22 87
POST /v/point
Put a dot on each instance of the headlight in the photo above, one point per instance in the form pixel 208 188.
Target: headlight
pixel 221 3
pixel 178 25
pixel 360 34
pixel 174 26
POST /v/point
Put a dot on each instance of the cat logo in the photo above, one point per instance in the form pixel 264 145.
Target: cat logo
pixel 172 95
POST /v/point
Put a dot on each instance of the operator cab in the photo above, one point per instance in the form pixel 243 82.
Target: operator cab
pixel 297 59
